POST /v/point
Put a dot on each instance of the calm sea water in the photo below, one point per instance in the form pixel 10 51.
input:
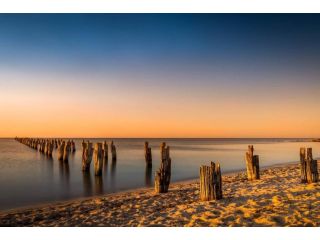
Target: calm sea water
pixel 28 177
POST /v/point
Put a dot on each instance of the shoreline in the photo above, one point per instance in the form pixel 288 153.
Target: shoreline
pixel 186 181
pixel 277 199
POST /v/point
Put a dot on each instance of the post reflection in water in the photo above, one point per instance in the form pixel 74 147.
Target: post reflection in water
pixel 105 166
pixel 148 176
pixel 72 155
pixel 113 173
pixel 49 163
pixel 64 172
pixel 98 182
pixel 87 184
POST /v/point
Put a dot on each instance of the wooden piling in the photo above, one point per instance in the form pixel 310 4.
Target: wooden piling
pixel 148 154
pixel 98 159
pixel 252 162
pixel 105 151
pixel 210 182
pixel 163 175
pixel 49 149
pixel 113 151
pixel 163 150
pixel 73 146
pixel 66 151
pixel 308 166
pixel 303 163
pixel 87 152
pixel 60 150
pixel 42 146
pixel 46 142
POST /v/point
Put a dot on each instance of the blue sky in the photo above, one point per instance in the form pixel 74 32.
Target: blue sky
pixel 95 42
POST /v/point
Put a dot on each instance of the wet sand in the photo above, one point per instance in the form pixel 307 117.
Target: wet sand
pixel 277 199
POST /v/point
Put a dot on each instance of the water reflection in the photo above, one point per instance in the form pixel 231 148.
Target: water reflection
pixel 105 166
pixel 98 183
pixel 64 172
pixel 87 183
pixel 148 176
pixel 49 165
pixel 72 155
pixel 113 173
pixel 64 181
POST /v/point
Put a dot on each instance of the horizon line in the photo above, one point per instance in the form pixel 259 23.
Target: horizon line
pixel 171 137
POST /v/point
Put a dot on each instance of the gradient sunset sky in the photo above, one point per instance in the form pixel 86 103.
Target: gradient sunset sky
pixel 160 75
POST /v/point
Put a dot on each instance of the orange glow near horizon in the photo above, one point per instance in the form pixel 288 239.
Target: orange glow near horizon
pixel 49 108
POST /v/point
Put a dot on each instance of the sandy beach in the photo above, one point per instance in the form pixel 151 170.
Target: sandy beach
pixel 277 199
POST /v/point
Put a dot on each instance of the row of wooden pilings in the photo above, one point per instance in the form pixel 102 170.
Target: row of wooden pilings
pixel 210 176
pixel 46 146
pixel 99 153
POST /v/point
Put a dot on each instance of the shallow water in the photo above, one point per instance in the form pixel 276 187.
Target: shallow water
pixel 28 177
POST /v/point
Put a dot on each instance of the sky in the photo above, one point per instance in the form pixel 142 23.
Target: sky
pixel 159 75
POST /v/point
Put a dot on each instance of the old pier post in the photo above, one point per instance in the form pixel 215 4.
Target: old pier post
pixel 303 165
pixel 46 143
pixel 98 159
pixel 87 152
pixel 252 162
pixel 163 175
pixel 113 151
pixel 73 146
pixel 49 148
pixel 42 146
pixel 60 150
pixel 210 182
pixel 308 166
pixel 105 151
pixel 66 151
pixel 148 154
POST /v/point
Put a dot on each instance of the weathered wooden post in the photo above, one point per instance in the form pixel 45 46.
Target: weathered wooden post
pixel 36 144
pixel 46 142
pixel 303 165
pixel 113 151
pixel 105 151
pixel 148 154
pixel 163 175
pixel 73 146
pixel 210 182
pixel 98 159
pixel 252 162
pixel 42 146
pixel 87 152
pixel 66 151
pixel 60 150
pixel 33 143
pixel 308 166
pixel 162 150
pixel 49 148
